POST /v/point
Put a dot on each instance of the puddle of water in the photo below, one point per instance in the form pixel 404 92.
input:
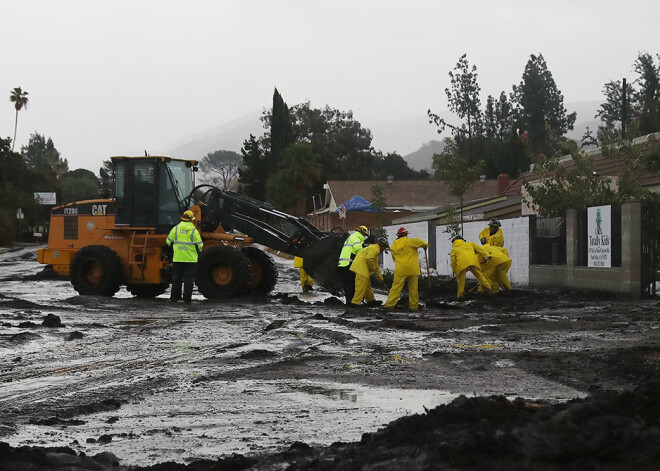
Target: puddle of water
pixel 207 420
pixel 408 401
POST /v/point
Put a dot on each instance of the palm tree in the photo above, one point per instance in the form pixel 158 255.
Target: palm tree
pixel 20 100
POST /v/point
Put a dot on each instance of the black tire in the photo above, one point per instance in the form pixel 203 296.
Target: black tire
pixel 147 291
pixel 263 272
pixel 222 272
pixel 96 270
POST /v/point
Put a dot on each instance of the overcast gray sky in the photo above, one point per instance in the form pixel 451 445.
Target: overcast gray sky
pixel 117 77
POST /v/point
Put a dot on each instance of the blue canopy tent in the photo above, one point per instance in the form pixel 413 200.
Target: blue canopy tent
pixel 357 203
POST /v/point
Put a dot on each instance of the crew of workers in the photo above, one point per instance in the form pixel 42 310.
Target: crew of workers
pixel 488 263
pixel 358 261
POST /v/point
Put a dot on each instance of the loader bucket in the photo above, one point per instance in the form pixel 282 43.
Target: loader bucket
pixel 320 260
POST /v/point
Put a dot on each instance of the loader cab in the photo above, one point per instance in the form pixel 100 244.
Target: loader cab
pixel 151 192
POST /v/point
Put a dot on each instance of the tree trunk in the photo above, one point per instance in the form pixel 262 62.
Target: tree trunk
pixel 461 215
pixel 13 143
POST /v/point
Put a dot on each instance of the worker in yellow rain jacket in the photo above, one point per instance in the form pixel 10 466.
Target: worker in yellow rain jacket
pixel 366 263
pixel 492 234
pixel 352 245
pixel 186 243
pixel 496 269
pixel 406 269
pixel 306 281
pixel 464 258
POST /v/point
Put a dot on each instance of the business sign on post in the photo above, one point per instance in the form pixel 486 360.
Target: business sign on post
pixel 599 236
pixel 45 198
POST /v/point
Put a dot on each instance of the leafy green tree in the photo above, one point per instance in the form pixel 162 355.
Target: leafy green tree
pixel 78 185
pixel 642 105
pixel 253 174
pixel 503 149
pixel 18 185
pixel 464 100
pixel 560 187
pixel 539 102
pixel 611 111
pixel 647 97
pixel 20 100
pixel 221 167
pixel 393 166
pixel 107 172
pixel 40 154
pixel 455 172
pixel 638 160
pixel 343 145
pixel 463 96
pixel 291 187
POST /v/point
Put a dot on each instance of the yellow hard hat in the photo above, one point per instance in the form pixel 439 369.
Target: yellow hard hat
pixel 363 229
pixel 188 216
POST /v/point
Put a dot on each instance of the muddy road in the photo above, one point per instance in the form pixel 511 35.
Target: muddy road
pixel 150 381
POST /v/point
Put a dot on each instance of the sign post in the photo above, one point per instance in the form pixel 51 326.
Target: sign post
pixel 599 236
pixel 342 216
pixel 19 216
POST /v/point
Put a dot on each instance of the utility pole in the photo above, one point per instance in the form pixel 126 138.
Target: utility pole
pixel 624 106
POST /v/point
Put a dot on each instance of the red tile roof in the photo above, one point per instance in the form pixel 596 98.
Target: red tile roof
pixel 420 193
pixel 606 166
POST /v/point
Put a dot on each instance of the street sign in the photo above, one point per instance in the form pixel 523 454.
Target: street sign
pixel 45 198
pixel 19 214
pixel 599 236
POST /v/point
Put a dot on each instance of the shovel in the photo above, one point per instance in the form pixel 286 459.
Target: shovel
pixel 428 272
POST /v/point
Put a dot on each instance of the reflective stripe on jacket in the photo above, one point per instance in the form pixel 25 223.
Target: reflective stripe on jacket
pixel 351 247
pixel 405 255
pixel 186 241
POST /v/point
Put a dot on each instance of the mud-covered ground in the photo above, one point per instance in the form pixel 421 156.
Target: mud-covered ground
pixel 298 381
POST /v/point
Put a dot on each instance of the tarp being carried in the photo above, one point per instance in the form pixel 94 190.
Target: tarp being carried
pixel 357 203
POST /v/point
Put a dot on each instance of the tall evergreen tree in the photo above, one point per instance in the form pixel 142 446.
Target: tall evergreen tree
pixel 647 97
pixel 281 133
pixel 40 154
pixel 540 107
pixel 503 149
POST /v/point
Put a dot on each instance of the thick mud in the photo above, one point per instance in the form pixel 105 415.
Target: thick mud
pixel 526 380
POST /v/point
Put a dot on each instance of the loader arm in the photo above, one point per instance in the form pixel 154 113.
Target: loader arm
pixel 266 225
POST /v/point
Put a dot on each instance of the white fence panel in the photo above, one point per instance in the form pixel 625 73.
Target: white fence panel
pixel 516 241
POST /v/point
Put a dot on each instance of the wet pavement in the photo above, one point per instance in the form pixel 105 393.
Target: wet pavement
pixel 152 381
